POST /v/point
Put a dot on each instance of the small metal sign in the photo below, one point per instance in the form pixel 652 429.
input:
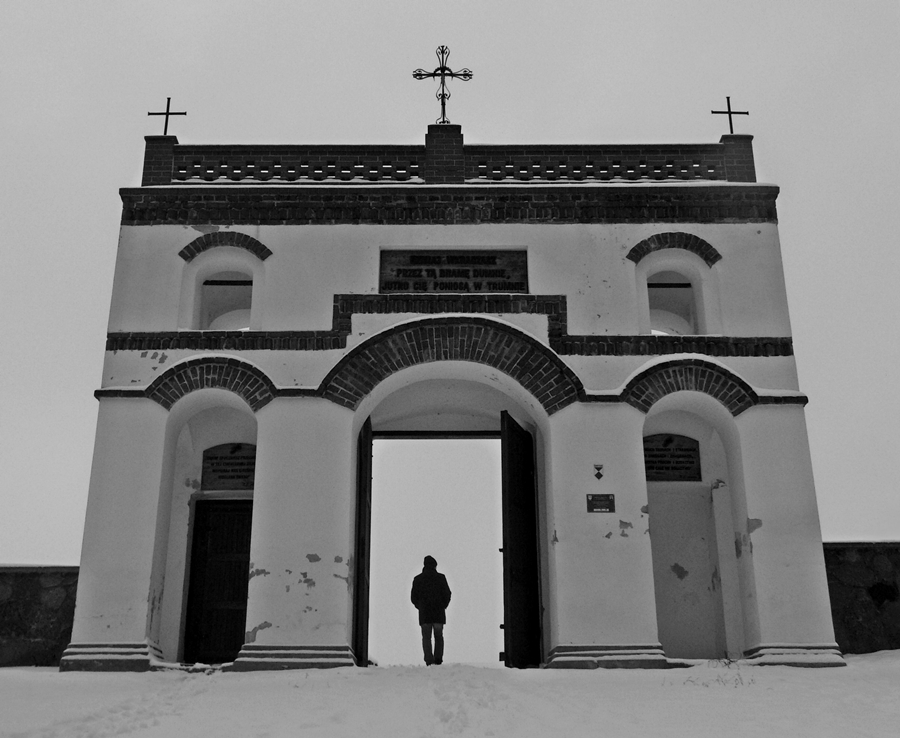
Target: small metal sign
pixel 601 503
pixel 453 271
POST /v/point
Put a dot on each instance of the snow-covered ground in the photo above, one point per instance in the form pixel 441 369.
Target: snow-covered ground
pixel 710 699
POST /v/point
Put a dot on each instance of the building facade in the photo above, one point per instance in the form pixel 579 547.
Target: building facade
pixel 616 315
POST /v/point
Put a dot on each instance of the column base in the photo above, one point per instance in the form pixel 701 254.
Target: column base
pixel 109 657
pixel 608 657
pixel 795 654
pixel 270 658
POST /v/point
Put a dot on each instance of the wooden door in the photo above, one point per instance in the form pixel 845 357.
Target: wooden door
pixel 219 574
pixel 521 570
pixel 363 545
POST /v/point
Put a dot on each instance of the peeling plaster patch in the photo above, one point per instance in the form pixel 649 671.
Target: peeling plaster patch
pixel 155 354
pixel 162 358
pixel 309 582
pixel 679 570
pixel 338 559
pixel 287 587
pixel 753 524
pixel 313 558
pixel 288 571
pixel 608 535
pixel 645 509
pixel 259 573
pixel 308 608
pixel 623 526
pixel 250 635
pixel 204 229
pixel 144 354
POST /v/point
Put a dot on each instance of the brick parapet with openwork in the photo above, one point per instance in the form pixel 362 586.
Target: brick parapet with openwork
pixel 445 159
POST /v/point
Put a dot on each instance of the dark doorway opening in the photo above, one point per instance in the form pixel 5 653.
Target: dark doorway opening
pixel 518 544
pixel 217 593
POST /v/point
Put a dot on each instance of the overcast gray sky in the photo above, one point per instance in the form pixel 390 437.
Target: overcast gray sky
pixel 77 80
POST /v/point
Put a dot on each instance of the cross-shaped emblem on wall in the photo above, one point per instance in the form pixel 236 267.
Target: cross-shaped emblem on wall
pixel 443 72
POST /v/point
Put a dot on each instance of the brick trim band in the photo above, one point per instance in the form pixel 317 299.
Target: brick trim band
pixel 651 385
pixel 207 372
pixel 529 362
pixel 553 306
pixel 675 240
pixel 224 238
pixel 437 204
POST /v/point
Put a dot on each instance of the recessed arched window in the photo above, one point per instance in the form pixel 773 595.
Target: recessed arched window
pixel 220 291
pixel 225 302
pixel 672 304
pixel 677 294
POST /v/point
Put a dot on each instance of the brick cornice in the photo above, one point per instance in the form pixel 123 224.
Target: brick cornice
pixel 437 204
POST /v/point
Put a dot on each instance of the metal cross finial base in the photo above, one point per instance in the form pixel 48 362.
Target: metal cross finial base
pixel 729 113
pixel 443 71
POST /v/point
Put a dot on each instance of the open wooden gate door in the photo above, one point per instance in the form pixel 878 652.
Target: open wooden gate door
pixel 363 544
pixel 521 570
pixel 217 591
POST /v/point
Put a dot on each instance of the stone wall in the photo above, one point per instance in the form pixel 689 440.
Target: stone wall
pixel 864 585
pixel 37 607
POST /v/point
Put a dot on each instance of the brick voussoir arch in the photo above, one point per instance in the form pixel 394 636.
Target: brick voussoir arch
pixel 537 368
pixel 224 238
pixel 245 380
pixel 651 385
pixel 675 240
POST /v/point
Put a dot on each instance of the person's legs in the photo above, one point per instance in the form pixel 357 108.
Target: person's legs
pixel 438 643
pixel 426 643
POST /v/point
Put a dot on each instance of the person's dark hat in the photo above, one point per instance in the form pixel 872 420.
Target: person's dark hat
pixel 430 563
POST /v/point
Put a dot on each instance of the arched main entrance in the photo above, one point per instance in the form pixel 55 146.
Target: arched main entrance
pixel 450 400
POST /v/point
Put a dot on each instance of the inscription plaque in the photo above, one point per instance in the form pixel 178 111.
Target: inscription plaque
pixel 453 271
pixel 671 458
pixel 601 503
pixel 230 466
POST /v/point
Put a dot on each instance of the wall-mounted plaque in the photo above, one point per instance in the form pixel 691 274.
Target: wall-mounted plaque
pixel 453 271
pixel 601 503
pixel 671 458
pixel 229 466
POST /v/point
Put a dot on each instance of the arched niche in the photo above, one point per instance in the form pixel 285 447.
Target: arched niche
pixel 199 421
pixel 704 585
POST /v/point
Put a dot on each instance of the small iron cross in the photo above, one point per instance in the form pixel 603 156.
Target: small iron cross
pixel 729 113
pixel 167 114
pixel 443 71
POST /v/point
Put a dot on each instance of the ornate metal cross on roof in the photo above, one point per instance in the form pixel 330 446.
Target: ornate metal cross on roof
pixel 167 113
pixel 443 71
pixel 729 113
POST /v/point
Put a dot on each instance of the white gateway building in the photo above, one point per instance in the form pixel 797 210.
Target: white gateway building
pixel 615 314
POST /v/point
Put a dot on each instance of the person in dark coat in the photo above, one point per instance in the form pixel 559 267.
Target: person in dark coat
pixel 431 595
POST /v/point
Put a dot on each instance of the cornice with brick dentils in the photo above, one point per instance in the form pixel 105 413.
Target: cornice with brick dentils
pixel 443 205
